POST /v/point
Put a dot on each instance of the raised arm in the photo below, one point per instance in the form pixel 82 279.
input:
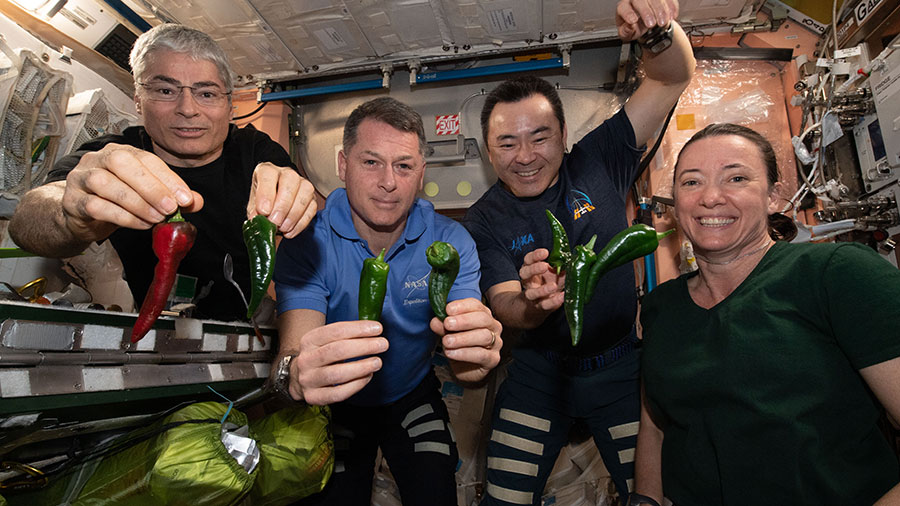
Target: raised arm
pixel 667 74
pixel 118 186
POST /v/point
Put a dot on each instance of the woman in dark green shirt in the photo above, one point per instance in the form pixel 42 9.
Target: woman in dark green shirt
pixel 758 369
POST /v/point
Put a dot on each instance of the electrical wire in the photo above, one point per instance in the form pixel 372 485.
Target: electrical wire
pixel 834 18
pixel 245 116
pixel 645 162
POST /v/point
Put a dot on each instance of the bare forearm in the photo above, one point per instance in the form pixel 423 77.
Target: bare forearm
pixel 667 75
pixel 648 459
pixel 674 66
pixel 892 498
pixel 293 325
pixel 39 224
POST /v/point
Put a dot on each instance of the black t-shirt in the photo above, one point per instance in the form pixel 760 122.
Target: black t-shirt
pixel 225 187
pixel 589 198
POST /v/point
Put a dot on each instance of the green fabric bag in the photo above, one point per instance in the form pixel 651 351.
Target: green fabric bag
pixel 296 455
pixel 171 463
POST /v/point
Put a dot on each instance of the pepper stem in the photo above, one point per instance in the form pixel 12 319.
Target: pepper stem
pixel 175 217
pixel 380 257
pixel 661 235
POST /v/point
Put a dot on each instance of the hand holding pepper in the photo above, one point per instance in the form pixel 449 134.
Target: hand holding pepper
pixel 285 197
pixel 171 242
pixel 560 254
pixel 333 361
pixel 470 337
pixel 541 286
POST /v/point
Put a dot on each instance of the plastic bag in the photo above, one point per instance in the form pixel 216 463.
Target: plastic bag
pixel 296 455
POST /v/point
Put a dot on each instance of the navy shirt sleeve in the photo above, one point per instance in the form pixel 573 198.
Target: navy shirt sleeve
pixel 610 145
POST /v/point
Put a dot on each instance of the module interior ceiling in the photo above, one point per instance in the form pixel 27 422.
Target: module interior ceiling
pixel 286 39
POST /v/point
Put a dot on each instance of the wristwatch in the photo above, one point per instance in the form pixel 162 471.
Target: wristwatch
pixel 282 377
pixel 635 499
pixel 657 39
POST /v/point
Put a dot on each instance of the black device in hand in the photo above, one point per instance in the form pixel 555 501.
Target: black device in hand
pixel 657 39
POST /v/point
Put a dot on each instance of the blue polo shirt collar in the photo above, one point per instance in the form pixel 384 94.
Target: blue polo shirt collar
pixel 342 221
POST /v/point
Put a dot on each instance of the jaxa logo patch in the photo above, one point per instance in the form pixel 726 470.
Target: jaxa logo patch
pixel 579 204
pixel 520 242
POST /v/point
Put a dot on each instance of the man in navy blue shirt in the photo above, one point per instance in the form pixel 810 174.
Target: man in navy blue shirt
pixel 378 375
pixel 551 385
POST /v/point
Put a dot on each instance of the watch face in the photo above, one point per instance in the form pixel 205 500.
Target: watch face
pixel 660 45
pixel 283 375
pixel 657 39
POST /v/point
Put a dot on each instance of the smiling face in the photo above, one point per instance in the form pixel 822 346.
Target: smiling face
pixel 382 172
pixel 184 133
pixel 723 197
pixel 526 145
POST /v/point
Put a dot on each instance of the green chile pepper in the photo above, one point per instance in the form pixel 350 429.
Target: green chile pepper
pixel 577 273
pixel 444 261
pixel 628 245
pixel 372 287
pixel 259 237
pixel 560 254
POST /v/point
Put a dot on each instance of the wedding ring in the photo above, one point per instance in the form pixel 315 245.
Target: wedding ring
pixel 493 340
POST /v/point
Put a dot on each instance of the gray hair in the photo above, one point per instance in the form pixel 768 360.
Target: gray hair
pixel 387 110
pixel 180 39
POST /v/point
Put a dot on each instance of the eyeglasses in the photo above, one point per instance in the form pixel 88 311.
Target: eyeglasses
pixel 204 95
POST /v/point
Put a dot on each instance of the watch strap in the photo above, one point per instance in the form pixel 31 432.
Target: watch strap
pixel 635 499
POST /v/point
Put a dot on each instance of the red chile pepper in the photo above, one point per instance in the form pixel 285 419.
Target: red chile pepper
pixel 171 242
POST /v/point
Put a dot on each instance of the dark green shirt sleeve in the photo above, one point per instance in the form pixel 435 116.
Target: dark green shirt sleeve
pixel 862 293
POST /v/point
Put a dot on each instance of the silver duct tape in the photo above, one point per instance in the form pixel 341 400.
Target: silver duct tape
pixel 25 335
pixel 242 447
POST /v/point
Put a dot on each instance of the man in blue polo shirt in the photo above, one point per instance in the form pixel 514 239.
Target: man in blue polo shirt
pixel 378 376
